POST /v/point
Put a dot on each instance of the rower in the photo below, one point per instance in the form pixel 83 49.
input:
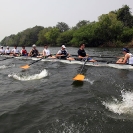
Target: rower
pixel 82 54
pixel 127 59
pixel 46 52
pixel 2 51
pixel 15 51
pixel 7 51
pixel 63 54
pixel 34 52
pixel 23 51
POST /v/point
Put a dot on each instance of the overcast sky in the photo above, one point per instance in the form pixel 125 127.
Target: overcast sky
pixel 18 15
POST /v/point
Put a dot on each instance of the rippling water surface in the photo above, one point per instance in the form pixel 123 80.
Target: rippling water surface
pixel 45 99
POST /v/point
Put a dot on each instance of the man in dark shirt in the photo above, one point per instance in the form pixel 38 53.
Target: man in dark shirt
pixel 82 54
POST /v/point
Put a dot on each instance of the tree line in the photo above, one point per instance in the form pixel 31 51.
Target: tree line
pixel 112 29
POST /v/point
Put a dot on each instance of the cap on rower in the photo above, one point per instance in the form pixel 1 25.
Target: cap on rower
pixel 1 46
pixel 7 46
pixel 126 50
pixel 63 46
pixel 33 45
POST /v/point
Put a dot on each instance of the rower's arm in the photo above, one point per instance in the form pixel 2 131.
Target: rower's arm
pixel 123 60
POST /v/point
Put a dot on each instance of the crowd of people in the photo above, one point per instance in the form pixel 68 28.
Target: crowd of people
pixel 62 53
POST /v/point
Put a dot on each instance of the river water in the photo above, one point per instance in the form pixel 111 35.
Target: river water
pixel 45 99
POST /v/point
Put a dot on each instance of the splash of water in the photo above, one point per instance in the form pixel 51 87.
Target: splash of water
pixel 42 74
pixel 4 66
pixel 88 80
pixel 121 107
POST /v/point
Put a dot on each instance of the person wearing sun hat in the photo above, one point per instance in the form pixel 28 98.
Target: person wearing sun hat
pixel 127 59
pixel 34 52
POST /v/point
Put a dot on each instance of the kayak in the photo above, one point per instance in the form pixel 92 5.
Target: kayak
pixel 97 64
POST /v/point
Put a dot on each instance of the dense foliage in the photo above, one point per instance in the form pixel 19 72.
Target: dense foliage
pixel 112 29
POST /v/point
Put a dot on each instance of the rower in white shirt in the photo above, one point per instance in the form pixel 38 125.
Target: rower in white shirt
pixel 46 52
pixel 2 51
pixel 15 51
pixel 7 51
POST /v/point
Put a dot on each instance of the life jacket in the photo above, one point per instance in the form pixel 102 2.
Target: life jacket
pixel 24 52
pixel 64 52
pixel 34 53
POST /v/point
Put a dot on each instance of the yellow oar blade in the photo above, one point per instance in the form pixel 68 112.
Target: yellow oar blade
pixel 79 77
pixel 25 67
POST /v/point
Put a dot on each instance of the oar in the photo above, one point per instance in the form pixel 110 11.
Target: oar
pixel 28 65
pixel 101 56
pixel 80 76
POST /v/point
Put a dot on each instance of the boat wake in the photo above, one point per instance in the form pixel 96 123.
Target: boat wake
pixel 4 66
pixel 21 77
pixel 88 80
pixel 125 106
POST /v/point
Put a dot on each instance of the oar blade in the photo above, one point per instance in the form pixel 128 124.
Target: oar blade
pixel 79 77
pixel 25 67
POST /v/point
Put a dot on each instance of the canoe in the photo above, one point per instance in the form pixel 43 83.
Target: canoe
pixel 96 64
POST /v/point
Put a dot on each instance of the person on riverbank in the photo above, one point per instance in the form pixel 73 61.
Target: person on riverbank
pixel 15 51
pixel 33 52
pixel 23 51
pixel 2 51
pixel 63 54
pixel 82 54
pixel 127 59
pixel 7 51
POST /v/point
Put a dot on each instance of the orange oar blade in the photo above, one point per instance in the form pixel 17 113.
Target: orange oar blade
pixel 79 77
pixel 25 67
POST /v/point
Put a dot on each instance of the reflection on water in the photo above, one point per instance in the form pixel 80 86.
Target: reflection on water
pixel 77 83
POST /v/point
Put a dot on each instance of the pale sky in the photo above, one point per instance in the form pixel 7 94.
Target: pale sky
pixel 18 15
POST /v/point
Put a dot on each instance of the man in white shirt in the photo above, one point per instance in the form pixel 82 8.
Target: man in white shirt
pixel 7 51
pixel 15 51
pixel 46 51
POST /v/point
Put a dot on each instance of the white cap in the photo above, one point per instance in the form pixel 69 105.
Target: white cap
pixel 63 46
pixel 33 45
pixel 7 46
pixel 1 46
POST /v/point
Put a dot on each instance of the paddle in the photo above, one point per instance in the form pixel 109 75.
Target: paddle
pixel 80 76
pixel 28 65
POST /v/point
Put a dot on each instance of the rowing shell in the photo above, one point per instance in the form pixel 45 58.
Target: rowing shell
pixel 97 64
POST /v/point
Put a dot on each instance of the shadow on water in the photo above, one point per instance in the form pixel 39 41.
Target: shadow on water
pixel 77 83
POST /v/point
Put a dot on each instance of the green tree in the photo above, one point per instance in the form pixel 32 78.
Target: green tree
pixel 52 36
pixel 41 36
pixel 65 37
pixel 62 26
pixel 124 15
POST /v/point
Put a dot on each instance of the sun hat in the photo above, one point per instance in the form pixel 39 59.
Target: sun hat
pixel 63 46
pixel 126 50
pixel 33 45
